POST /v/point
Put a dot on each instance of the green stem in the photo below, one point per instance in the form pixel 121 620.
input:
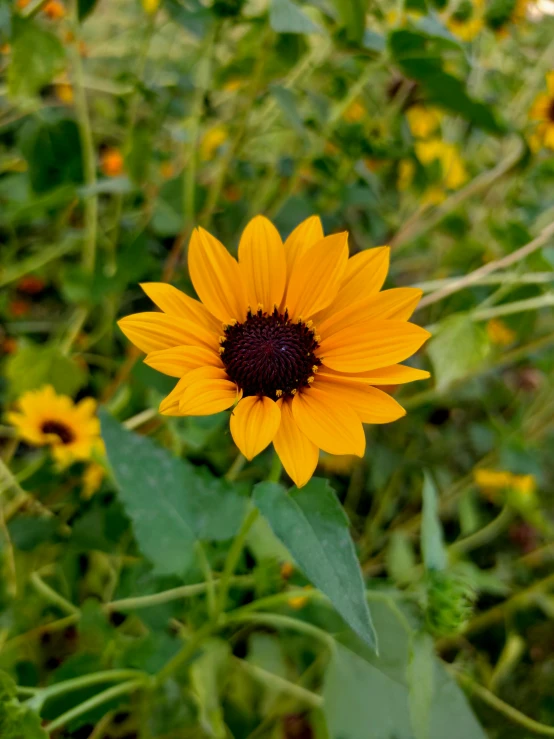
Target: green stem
pixel 236 468
pixel 280 684
pixel 185 653
pixel 233 558
pixel 87 143
pixel 166 596
pixel 41 695
pixel 282 622
pixel 52 595
pixel 484 535
pixel 275 470
pixel 46 255
pixel 279 599
pixel 209 578
pixel 93 702
pixel 509 711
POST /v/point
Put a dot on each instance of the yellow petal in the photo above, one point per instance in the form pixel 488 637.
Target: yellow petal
pixel 216 277
pixel 306 234
pixel 366 346
pixel 364 276
pixel 170 404
pixel 332 426
pixel 550 82
pixel 370 404
pixel 262 263
pixel 204 397
pixel 395 374
pixel 297 453
pixel 317 276
pixel 254 423
pixel 398 304
pixel 154 331
pixel 178 360
pixel 177 303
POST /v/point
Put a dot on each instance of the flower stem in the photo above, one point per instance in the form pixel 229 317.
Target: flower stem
pixel 89 163
pixel 233 558
pixel 52 595
pixel 509 711
pixel 186 652
pixel 93 702
pixel 280 684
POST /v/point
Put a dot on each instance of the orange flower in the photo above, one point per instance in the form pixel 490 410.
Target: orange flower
pixel 19 308
pixel 54 10
pixel 31 285
pixel 111 162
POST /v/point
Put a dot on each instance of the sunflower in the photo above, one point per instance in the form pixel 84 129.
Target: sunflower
pixel 467 21
pixel 543 112
pixel 293 337
pixel 71 429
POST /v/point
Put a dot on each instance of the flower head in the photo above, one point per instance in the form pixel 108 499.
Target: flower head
pixel 72 430
pixel 542 111
pixel 423 121
pixel 293 337
pixel 467 21
pixel 111 162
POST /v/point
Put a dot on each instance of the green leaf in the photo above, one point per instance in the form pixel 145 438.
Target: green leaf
pixel 352 14
pixel 37 56
pixel 286 17
pixel 420 674
pixel 53 153
pixel 17 721
pixel 207 673
pixel 286 100
pixel 400 558
pixel 418 54
pixel 435 556
pixel 313 526
pixel 458 348
pixel 170 502
pixel 364 700
pixel 33 366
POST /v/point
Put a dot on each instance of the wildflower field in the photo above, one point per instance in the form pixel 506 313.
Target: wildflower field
pixel 276 357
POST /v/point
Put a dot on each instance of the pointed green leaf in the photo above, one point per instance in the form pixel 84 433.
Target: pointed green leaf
pixel 421 671
pixel 458 348
pixel 434 552
pixel 286 17
pixel 170 502
pixel 37 55
pixel 313 526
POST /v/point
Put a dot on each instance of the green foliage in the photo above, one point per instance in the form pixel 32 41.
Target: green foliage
pixel 286 17
pixel 37 55
pixel 458 348
pixel 171 504
pixel 313 527
pixel 35 365
pixel 432 538
pixel 16 720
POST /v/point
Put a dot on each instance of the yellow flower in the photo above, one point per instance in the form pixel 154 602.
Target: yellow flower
pixel 453 170
pixel 423 121
pixel 406 171
pixel 491 480
pixel 211 142
pixel 150 6
pixel 525 485
pixel 64 92
pixel 467 21
pixel 54 9
pixel 293 337
pixel 354 113
pixel 543 112
pixel 70 429
pixel 92 479
pixel 499 333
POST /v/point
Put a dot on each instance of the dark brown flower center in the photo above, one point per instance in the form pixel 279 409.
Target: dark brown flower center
pixel 268 354
pixel 63 432
pixel 550 113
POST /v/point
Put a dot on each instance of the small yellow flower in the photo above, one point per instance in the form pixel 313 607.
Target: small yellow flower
pixel 524 485
pixel 211 142
pixel 92 479
pixel 287 568
pixel 354 113
pixel 467 21
pixel 499 333
pixel 72 430
pixel 492 480
pixel 150 6
pixel 292 338
pixel 453 170
pixel 167 169
pixel 542 111
pixel 54 10
pixel 423 121
pixel 64 92
pixel 298 602
pixel 232 85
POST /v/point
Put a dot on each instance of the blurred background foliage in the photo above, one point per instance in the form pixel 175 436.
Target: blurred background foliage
pixel 425 125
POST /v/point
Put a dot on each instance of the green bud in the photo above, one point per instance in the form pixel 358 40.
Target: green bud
pixel 449 603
